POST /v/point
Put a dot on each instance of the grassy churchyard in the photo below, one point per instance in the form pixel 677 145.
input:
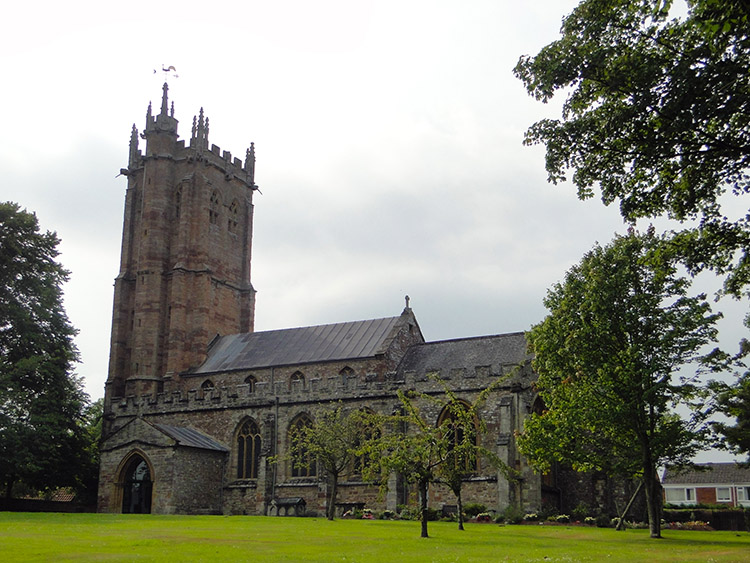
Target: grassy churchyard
pixel 110 537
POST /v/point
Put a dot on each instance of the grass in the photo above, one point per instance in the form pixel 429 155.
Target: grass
pixel 112 537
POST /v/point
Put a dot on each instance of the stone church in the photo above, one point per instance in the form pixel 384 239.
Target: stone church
pixel 196 401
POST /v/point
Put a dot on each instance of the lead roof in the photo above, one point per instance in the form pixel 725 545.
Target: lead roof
pixel 292 346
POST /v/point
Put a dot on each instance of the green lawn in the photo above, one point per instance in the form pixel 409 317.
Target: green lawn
pixel 109 537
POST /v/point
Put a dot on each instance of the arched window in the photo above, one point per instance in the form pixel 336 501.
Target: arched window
pixel 213 208
pixel 456 428
pixel 250 381
pixel 136 487
pixel 207 386
pixel 297 380
pixel 366 432
pixel 234 211
pixel 302 463
pixel 346 373
pixel 248 450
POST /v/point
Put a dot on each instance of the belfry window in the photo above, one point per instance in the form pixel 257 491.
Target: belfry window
pixel 248 450
pixel 213 209
pixel 302 462
pixel 232 220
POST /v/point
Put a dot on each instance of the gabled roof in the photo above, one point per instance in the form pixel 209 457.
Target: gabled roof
pixel 496 351
pixel 190 438
pixel 323 343
pixel 713 473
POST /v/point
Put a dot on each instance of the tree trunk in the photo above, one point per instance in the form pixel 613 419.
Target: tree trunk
pixel 653 496
pixel 460 508
pixel 423 505
pixel 331 509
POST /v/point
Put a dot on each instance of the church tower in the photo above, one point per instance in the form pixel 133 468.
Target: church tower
pixel 186 251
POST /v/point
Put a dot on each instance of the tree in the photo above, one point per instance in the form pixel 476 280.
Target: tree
pixel 658 115
pixel 619 326
pixel 41 402
pixel 462 427
pixel 414 453
pixel 333 441
pixel 734 402
pixel 423 452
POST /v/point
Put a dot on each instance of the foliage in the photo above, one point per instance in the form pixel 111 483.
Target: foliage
pixel 414 454
pixel 463 427
pixel 734 402
pixel 658 117
pixel 473 508
pixel 423 453
pixel 512 514
pixel 43 442
pixel 619 325
pixel 332 441
pixel 115 537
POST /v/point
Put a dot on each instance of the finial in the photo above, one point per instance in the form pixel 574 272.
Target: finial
pixel 250 163
pixel 406 298
pixel 164 102
pixel 133 157
pixel 171 110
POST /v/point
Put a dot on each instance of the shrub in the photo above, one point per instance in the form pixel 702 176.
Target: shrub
pixel 531 517
pixel 580 511
pixel 484 517
pixel 590 520
pixel 473 508
pixel 603 521
pixel 512 515
pixel 387 515
pixel 563 518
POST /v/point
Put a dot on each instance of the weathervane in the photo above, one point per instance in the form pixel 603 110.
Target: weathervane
pixel 168 71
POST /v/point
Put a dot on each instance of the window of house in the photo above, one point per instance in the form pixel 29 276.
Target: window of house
pixel 302 462
pixel 743 494
pixel 248 450
pixel 679 495
pixel 723 494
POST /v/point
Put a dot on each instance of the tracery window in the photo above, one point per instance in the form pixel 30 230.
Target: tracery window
pixel 248 450
pixel 455 429
pixel 302 463
pixel 207 386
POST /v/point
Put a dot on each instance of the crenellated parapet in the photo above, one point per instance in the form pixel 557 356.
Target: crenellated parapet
pixel 317 390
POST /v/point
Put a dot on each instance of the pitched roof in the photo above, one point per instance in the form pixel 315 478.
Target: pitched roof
pixel 712 473
pixel 190 438
pixel 340 341
pixel 496 351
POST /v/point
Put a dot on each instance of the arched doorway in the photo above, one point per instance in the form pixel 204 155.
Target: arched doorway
pixel 137 485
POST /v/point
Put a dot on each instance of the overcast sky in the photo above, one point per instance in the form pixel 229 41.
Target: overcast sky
pixel 389 152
